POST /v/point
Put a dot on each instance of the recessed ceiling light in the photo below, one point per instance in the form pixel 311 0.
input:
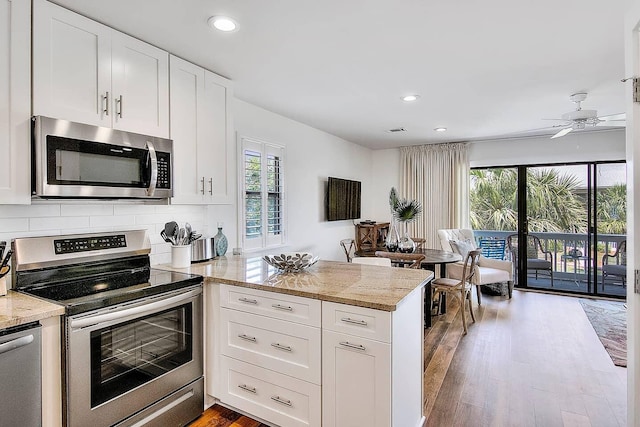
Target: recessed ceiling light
pixel 410 98
pixel 440 129
pixel 222 23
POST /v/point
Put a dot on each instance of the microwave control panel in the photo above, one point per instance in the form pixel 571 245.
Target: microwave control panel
pixel 164 170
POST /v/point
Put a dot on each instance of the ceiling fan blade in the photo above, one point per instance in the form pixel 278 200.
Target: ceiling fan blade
pixel 563 132
pixel 614 117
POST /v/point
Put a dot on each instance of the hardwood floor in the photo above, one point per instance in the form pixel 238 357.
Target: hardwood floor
pixel 534 360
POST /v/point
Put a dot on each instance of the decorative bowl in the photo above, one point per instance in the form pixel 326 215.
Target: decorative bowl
pixel 291 262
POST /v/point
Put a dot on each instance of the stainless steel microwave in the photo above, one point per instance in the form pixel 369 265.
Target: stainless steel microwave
pixel 74 160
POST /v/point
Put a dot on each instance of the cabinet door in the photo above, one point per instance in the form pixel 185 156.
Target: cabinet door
pixel 71 66
pixel 215 149
pixel 15 93
pixel 356 381
pixel 187 87
pixel 140 83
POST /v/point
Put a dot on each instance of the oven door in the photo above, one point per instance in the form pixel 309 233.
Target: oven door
pixel 124 358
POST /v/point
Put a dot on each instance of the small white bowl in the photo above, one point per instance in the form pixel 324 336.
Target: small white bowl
pixel 291 262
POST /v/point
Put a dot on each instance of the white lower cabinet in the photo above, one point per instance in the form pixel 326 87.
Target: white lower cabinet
pixel 272 396
pixel 294 361
pixel 356 381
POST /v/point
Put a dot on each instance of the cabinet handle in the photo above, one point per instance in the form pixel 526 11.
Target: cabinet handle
pixel 356 346
pixel 202 182
pixel 105 100
pixel 281 400
pixel 119 106
pixel 247 388
pixel 282 307
pixel 282 347
pixel 248 301
pixel 354 321
pixel 211 186
pixel 247 338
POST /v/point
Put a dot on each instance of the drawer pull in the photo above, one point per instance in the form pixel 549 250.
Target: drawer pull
pixel 247 388
pixel 248 301
pixel 247 338
pixel 354 321
pixel 282 307
pixel 356 346
pixel 281 400
pixel 281 347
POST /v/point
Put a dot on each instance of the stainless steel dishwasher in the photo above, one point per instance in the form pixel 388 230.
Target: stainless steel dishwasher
pixel 20 362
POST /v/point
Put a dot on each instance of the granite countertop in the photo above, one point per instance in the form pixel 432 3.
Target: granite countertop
pixel 380 288
pixel 17 309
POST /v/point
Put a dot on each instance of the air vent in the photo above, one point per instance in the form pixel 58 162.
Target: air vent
pixel 397 130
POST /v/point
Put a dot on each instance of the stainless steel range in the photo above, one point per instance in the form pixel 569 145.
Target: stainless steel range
pixel 132 335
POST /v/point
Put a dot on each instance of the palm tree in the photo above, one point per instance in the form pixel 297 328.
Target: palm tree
pixel 553 204
pixel 612 209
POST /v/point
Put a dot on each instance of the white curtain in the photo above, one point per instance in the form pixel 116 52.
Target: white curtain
pixel 437 175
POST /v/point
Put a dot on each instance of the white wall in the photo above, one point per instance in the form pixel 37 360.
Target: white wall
pixel 311 156
pixel 574 147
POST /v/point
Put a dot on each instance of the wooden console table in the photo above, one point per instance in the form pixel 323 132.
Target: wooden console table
pixel 371 238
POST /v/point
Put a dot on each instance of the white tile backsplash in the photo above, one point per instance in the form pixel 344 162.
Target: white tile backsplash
pixel 50 218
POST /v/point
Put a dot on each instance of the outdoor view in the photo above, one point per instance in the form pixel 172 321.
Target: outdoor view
pixel 561 203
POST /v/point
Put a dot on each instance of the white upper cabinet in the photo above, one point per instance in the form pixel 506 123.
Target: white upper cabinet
pixel 15 101
pixel 86 72
pixel 201 130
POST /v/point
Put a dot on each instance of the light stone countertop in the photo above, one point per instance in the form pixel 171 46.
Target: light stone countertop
pixel 380 288
pixel 18 309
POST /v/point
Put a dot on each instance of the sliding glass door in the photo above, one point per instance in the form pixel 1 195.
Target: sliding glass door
pixel 564 225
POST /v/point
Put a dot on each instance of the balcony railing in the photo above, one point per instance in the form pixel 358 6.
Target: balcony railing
pixel 571 255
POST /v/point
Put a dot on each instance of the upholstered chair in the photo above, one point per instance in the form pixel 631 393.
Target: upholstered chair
pixel 487 270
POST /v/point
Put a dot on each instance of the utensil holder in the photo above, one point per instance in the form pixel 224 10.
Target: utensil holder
pixel 180 256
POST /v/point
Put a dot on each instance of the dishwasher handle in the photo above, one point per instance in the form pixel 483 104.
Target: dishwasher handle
pixel 16 343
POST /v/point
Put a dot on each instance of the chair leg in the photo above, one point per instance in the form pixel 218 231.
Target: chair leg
pixel 510 288
pixel 464 318
pixel 552 278
pixel 478 294
pixel 469 301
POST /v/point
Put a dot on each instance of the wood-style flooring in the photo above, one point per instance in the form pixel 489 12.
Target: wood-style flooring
pixel 534 360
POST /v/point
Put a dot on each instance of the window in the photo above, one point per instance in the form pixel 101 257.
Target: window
pixel 262 194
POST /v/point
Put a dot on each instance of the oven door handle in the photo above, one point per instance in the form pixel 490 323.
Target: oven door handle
pixel 138 311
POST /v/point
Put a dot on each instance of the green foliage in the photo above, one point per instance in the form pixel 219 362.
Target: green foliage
pixel 612 210
pixel 403 210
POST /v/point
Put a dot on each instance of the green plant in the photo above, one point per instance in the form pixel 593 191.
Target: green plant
pixel 404 210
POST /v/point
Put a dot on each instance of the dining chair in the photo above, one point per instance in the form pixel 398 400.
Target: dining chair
pixel 461 288
pixel 371 260
pixel 400 259
pixel 619 268
pixel 349 247
pixel 419 241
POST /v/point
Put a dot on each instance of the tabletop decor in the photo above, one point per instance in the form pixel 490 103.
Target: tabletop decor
pixel 403 211
pixel 291 262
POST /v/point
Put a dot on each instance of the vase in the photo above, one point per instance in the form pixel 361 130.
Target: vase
pixel 221 242
pixel 391 242
pixel 405 243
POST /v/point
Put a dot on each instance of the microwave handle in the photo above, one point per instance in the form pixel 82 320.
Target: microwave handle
pixel 153 179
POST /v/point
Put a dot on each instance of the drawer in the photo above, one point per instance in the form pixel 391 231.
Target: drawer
pixel 359 321
pixel 274 397
pixel 282 346
pixel 272 304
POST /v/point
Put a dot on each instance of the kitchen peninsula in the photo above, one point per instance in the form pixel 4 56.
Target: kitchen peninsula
pixel 339 344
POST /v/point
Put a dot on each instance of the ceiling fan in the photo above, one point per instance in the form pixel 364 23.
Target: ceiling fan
pixel 580 119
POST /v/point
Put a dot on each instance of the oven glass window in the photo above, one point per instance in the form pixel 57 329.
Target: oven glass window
pixel 127 355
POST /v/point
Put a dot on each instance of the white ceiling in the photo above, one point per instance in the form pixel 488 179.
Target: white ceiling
pixel 484 69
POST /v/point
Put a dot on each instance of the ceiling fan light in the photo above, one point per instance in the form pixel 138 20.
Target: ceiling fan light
pixel 410 98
